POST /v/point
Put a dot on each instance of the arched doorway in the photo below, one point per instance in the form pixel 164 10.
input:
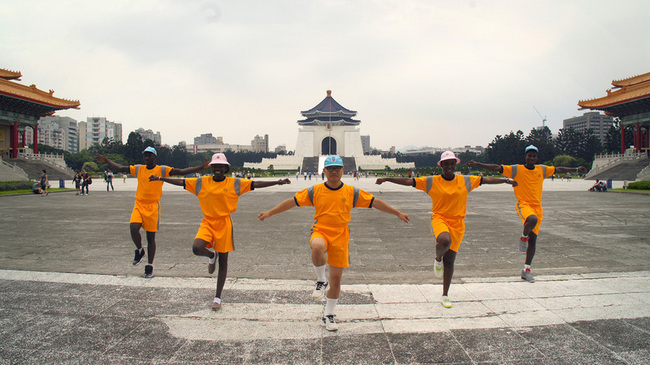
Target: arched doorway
pixel 328 147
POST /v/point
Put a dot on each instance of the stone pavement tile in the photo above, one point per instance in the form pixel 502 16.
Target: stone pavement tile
pixel 211 352
pixel 368 349
pixel 432 310
pixel 440 324
pixel 587 301
pixel 427 348
pixel 91 357
pixel 595 313
pixel 495 345
pixel 96 333
pixel 457 292
pixel 42 333
pixel 608 334
pixel 285 351
pixel 10 355
pixel 643 323
pixel 512 306
pixel 396 294
pixel 561 339
pixel 487 291
pixel 150 340
pixel 533 318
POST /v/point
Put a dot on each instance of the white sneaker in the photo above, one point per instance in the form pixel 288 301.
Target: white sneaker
pixel 328 322
pixel 321 289
pixel 438 268
pixel 446 302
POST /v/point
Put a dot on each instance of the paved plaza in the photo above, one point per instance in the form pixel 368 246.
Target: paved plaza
pixel 69 293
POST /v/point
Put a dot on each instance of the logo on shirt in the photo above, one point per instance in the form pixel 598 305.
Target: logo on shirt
pixel 343 200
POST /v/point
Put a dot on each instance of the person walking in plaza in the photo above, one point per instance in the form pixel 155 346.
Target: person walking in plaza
pixel 109 180
pixel 85 181
pixel 218 196
pixel 77 182
pixel 448 193
pixel 146 210
pixel 530 178
pixel 330 236
pixel 44 183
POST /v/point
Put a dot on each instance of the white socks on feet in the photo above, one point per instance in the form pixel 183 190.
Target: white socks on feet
pixel 320 273
pixel 330 305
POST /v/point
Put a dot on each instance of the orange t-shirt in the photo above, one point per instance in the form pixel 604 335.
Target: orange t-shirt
pixel 149 191
pixel 218 198
pixel 448 198
pixel 333 206
pixel 530 182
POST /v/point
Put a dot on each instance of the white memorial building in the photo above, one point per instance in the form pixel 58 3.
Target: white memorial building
pixel 328 129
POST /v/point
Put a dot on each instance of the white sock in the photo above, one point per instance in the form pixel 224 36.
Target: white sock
pixel 320 273
pixel 214 258
pixel 526 267
pixel 217 300
pixel 330 305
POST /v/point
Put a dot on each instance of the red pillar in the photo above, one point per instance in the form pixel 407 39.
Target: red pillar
pixel 637 138
pixel 36 139
pixel 622 139
pixel 14 140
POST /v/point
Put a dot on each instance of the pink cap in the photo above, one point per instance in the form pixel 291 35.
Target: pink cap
pixel 219 159
pixel 448 155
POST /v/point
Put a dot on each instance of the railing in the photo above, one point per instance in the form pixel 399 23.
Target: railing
pixel 604 161
pixel 15 169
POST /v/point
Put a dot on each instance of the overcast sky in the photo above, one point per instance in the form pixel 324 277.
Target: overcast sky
pixel 419 73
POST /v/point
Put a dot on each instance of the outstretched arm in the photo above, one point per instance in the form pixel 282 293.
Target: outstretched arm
pixel 486 166
pixel 282 207
pixel 406 181
pixel 497 180
pixel 563 170
pixel 173 181
pixel 114 166
pixel 263 184
pixel 384 207
pixel 190 170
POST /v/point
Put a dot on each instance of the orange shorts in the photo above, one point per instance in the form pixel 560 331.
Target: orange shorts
pixel 217 233
pixel 525 210
pixel 455 227
pixel 147 214
pixel 337 240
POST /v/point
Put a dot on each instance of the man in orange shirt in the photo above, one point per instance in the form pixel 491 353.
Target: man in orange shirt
pixel 146 211
pixel 218 196
pixel 330 236
pixel 448 193
pixel 529 198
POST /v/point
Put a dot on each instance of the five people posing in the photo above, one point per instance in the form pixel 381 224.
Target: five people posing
pixel 333 200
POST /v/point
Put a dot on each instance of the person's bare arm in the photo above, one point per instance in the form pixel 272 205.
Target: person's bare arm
pixel 406 181
pixel 114 165
pixel 190 170
pixel 498 180
pixel 282 207
pixel 564 170
pixel 264 184
pixel 486 166
pixel 384 207
pixel 170 180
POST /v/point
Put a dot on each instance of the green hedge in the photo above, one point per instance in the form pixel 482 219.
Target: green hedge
pixel 639 185
pixel 16 185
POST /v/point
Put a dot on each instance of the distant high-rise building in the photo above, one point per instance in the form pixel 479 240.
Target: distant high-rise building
pixel 205 138
pixel 365 144
pixel 58 132
pixel 281 149
pixel 260 144
pixel 149 134
pixel 599 123
pixel 95 129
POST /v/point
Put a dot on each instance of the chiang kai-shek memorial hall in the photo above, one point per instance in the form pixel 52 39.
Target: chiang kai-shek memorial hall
pixel 629 101
pixel 20 107
pixel 329 129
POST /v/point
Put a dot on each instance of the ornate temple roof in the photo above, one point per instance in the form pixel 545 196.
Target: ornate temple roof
pixel 632 96
pixel 29 100
pixel 10 75
pixel 329 110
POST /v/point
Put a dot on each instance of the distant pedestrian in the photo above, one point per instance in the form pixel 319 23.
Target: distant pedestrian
pixel 86 180
pixel 529 198
pixel 448 193
pixel 44 183
pixel 77 181
pixel 109 180
pixel 218 196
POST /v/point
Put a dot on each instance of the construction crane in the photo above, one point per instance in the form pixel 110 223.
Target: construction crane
pixel 543 118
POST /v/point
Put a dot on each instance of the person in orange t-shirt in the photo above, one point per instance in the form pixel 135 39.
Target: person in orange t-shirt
pixel 529 198
pixel 146 210
pixel 218 196
pixel 448 193
pixel 330 236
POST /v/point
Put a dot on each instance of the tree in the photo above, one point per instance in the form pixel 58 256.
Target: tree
pixel 589 146
pixel 543 140
pixel 613 138
pixel 90 166
pixel 134 147
pixel 567 141
pixel 506 150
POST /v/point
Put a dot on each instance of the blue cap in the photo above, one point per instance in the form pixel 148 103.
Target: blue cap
pixel 150 149
pixel 531 148
pixel 333 160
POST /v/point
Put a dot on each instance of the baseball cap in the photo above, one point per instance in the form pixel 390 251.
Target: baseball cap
pixel 333 160
pixel 150 149
pixel 531 148
pixel 448 155
pixel 219 159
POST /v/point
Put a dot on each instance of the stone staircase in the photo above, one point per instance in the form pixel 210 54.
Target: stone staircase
pixel 34 169
pixel 349 164
pixel 623 170
pixel 310 164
